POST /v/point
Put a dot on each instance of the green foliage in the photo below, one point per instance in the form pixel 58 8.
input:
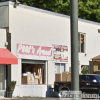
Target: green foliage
pixel 12 86
pixel 88 9
pixel 84 70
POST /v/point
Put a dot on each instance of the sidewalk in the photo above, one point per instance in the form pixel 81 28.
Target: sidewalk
pixel 29 98
pixel 8 98
pixel 41 98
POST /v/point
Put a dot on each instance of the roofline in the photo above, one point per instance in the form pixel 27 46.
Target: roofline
pixel 47 11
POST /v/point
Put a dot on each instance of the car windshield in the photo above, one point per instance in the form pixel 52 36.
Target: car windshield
pixel 98 78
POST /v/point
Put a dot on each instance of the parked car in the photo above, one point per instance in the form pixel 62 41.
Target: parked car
pixel 89 83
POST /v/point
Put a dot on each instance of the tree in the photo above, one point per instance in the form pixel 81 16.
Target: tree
pixel 89 9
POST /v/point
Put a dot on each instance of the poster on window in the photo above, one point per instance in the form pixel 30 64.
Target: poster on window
pixel 60 53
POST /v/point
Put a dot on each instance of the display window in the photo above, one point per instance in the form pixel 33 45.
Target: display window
pixel 33 73
pixel 59 68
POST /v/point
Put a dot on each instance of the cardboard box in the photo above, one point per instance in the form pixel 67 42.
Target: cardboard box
pixel 40 80
pixel 66 76
pixel 95 68
pixel 69 77
pixel 39 71
pixel 35 69
pixel 36 81
pixel 24 79
pixel 29 79
pixel 36 76
pixel 58 77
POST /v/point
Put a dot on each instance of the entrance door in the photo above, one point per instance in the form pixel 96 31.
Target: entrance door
pixel 2 77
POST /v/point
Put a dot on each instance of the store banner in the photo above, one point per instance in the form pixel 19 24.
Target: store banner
pixel 60 53
pixel 26 51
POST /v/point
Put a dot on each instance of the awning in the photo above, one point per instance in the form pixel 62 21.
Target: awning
pixel 6 57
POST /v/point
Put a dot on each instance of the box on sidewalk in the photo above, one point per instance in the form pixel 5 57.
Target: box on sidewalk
pixel 66 76
pixel 58 77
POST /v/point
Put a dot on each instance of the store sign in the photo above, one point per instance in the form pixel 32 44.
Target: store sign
pixel 34 52
pixel 60 53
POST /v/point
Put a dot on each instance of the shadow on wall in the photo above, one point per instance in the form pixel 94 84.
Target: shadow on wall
pixel 50 92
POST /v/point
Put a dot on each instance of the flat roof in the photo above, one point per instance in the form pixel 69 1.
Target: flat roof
pixel 6 3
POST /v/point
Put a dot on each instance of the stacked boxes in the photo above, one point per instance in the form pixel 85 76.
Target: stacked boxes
pixel 33 75
pixel 36 78
pixel 29 79
pixel 24 79
pixel 58 77
pixel 40 76
pixel 65 76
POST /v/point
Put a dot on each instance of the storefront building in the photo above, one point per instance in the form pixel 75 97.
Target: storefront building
pixel 41 41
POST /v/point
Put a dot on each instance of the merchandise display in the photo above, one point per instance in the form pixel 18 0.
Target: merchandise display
pixel 64 76
pixel 32 74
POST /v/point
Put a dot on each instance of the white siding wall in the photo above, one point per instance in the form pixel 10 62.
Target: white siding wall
pixel 2 38
pixel 92 41
pixel 29 26
pixel 4 16
pixel 16 72
pixel 51 72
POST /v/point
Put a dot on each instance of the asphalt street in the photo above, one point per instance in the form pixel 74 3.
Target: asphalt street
pixel 39 98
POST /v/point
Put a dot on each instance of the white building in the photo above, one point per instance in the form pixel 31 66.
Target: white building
pixel 34 27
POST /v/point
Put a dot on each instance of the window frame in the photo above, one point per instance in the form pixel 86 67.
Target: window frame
pixel 60 64
pixel 79 37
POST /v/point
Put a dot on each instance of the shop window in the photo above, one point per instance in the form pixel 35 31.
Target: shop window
pixel 60 67
pixel 33 73
pixel 81 40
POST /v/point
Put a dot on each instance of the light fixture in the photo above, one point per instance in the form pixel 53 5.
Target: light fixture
pixel 16 4
pixel 6 44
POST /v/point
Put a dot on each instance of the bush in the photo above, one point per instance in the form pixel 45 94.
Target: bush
pixel 12 86
pixel 84 70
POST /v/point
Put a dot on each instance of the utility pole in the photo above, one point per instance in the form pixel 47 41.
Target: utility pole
pixel 74 45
